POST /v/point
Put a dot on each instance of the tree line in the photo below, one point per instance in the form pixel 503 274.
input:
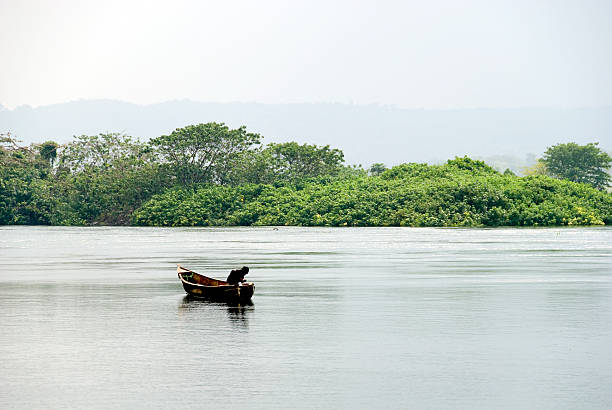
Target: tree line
pixel 209 174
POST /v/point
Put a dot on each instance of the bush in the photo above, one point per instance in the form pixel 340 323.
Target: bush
pixel 462 192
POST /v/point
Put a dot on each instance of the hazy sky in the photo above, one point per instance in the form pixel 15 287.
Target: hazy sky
pixel 430 54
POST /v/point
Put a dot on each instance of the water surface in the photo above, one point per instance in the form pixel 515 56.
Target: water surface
pixel 341 318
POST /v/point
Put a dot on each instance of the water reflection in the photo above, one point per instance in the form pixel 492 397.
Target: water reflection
pixel 238 313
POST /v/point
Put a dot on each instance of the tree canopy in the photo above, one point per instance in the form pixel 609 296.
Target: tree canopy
pixel 209 174
pixel 203 152
pixel 579 163
pixel 285 162
pixel 48 151
pixel 462 192
pixel 377 169
pixel 22 174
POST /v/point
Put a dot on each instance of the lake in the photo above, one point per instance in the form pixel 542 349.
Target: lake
pixel 341 318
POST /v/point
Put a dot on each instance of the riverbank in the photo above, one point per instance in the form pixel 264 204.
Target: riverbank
pixel 459 193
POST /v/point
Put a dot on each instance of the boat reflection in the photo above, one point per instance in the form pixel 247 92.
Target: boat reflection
pixel 238 313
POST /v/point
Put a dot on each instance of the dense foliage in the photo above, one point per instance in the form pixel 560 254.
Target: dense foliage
pixel 211 175
pixel 579 163
pixel 102 179
pixel 462 192
pixel 203 152
pixel 97 179
pixel 286 162
pixel 23 171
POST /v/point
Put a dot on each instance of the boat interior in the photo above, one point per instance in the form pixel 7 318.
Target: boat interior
pixel 193 277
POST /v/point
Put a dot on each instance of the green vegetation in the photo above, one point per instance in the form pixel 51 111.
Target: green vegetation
pixel 203 152
pixel 377 169
pixel 461 193
pixel 211 175
pixel 23 172
pixel 579 163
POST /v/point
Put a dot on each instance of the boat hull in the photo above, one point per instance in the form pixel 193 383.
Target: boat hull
pixel 241 293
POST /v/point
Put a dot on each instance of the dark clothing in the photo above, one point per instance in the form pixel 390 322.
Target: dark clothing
pixel 237 276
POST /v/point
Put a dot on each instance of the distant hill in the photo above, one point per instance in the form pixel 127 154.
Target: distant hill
pixel 366 133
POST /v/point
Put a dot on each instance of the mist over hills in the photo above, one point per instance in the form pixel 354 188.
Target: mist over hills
pixel 366 133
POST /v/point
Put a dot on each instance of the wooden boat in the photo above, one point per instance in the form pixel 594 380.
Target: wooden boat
pixel 201 286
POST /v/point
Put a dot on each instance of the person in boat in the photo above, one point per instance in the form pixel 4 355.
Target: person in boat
pixel 237 276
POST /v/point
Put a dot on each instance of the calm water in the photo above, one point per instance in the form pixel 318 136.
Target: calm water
pixel 341 318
